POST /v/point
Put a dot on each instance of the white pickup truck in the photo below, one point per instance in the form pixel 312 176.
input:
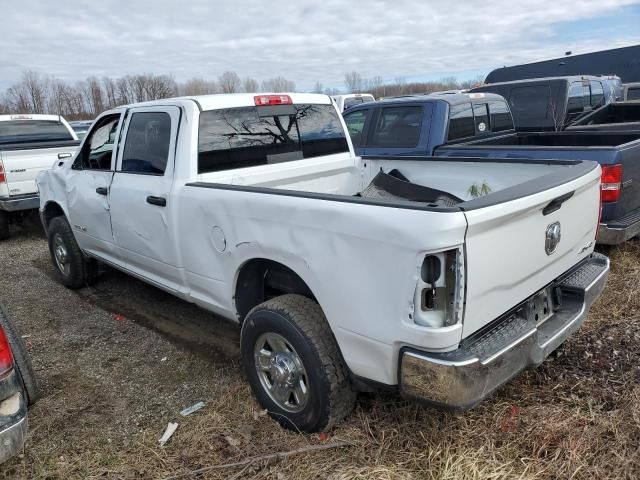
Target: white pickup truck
pixel 345 273
pixel 28 145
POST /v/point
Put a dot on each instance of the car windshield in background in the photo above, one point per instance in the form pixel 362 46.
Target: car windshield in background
pixel 250 136
pixel 27 131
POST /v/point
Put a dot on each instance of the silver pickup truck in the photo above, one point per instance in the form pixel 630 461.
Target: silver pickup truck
pixel 28 145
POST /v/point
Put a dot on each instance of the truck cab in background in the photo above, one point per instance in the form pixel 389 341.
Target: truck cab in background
pixel 550 104
pixel 28 145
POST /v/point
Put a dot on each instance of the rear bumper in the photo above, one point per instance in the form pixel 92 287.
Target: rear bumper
pixel 23 202
pixel 464 377
pixel 618 231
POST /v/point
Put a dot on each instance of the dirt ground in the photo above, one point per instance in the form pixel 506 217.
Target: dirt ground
pixel 117 362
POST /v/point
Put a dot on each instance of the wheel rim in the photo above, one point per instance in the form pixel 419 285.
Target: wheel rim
pixel 61 255
pixel 281 372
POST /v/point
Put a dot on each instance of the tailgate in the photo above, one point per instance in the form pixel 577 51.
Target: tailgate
pixel 22 166
pixel 505 245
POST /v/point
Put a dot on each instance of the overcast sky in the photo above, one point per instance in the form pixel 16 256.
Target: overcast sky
pixel 305 41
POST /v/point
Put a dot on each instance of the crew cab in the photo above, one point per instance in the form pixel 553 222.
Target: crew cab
pixel 28 145
pixel 479 125
pixel 541 104
pixel 345 274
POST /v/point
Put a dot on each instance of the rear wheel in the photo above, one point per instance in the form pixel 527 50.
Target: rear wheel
pixel 73 268
pixel 294 366
pixel 4 225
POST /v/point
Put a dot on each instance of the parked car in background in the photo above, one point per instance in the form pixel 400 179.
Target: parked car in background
pixel 28 145
pixel 81 127
pixel 18 389
pixel 345 273
pixel 479 125
pixel 618 116
pixel 349 100
pixel 631 92
pixel 553 103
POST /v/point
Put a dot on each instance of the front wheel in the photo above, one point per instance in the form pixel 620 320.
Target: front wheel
pixel 73 269
pixel 294 366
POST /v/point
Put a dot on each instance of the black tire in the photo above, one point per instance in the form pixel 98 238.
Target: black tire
pixel 302 324
pixel 21 359
pixel 4 225
pixel 78 271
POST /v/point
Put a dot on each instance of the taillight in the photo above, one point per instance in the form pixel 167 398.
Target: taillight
pixel 611 183
pixel 6 357
pixel 262 100
pixel 3 178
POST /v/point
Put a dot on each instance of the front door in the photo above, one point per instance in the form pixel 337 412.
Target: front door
pixel 88 186
pixel 142 212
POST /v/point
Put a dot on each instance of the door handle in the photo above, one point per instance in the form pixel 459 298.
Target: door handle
pixel 63 155
pixel 159 201
pixel 556 203
pixel 102 190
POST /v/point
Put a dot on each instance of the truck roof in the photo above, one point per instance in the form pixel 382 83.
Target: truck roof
pixel 234 100
pixel 30 116
pixel 568 78
pixel 452 98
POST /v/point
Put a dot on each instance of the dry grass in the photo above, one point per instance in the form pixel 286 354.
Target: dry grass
pixel 577 416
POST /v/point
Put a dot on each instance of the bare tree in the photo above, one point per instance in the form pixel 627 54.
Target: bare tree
pixel 317 88
pixel 353 82
pixel 229 82
pixel 250 85
pixel 278 85
pixel 198 86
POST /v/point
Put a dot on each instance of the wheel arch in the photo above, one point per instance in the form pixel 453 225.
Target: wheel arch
pixel 51 210
pixel 258 279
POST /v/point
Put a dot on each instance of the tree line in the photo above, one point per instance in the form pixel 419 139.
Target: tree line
pixel 37 93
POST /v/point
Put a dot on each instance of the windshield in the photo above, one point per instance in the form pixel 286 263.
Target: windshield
pixel 249 136
pixel 27 131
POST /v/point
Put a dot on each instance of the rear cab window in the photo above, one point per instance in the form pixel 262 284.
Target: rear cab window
pixel 33 131
pixel 242 137
pixel 398 127
pixel 529 101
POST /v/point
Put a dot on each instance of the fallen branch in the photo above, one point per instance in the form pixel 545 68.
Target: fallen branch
pixel 259 458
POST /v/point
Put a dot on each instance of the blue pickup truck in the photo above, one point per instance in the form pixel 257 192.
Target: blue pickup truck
pixel 480 125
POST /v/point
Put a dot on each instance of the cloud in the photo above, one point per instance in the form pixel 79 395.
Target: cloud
pixel 304 41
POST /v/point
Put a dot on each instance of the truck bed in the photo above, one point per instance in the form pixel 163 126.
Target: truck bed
pixel 606 148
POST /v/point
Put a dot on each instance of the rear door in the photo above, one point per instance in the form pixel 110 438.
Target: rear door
pixel 142 214
pixel 507 259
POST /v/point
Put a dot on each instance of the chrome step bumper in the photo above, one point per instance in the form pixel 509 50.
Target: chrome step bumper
pixel 464 377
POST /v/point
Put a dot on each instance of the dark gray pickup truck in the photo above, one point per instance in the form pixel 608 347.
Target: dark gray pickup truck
pixel 480 125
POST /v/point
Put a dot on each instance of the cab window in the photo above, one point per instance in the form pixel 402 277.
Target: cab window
pixel 481 117
pixel 398 127
pixel 461 123
pixel 146 148
pixel 355 125
pixel 97 150
pixel 500 116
